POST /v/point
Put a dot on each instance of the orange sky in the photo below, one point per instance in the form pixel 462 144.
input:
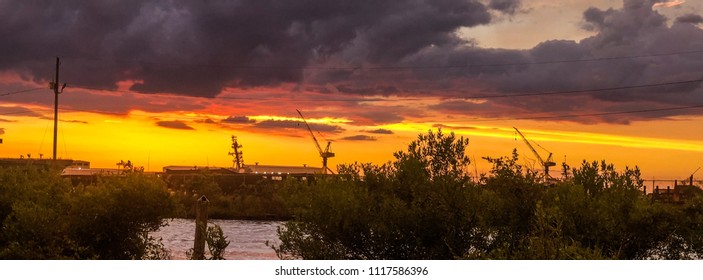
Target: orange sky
pixel 587 80
pixel 668 149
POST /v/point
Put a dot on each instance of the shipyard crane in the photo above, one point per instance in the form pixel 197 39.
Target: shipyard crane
pixel 236 153
pixel 324 154
pixel 545 163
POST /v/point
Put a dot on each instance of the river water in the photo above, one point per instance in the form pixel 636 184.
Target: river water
pixel 247 238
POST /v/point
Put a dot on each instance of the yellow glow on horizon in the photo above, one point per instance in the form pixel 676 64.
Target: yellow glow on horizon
pixel 204 115
pixel 614 140
pixel 106 139
pixel 560 136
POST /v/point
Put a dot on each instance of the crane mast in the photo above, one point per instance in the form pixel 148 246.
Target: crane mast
pixel 236 153
pixel 545 164
pixel 323 154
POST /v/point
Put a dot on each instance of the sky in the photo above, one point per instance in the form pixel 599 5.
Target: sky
pixel 167 82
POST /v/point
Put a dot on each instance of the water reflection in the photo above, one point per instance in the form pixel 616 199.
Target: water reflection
pixel 247 238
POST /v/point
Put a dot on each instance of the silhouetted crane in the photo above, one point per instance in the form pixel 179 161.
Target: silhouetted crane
pixel 236 153
pixel 545 163
pixel 324 154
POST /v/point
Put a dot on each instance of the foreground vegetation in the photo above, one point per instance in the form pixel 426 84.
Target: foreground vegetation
pixel 259 201
pixel 44 216
pixel 424 206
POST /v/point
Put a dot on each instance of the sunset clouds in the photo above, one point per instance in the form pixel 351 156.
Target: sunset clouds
pixel 332 50
pixel 246 65
pixel 669 4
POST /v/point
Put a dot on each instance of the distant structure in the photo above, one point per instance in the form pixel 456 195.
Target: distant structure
pixel 44 163
pixel 237 154
pixel 239 174
pixel 229 179
pixel 545 163
pixel 323 154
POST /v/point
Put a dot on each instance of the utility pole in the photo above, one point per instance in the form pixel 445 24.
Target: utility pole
pixel 55 86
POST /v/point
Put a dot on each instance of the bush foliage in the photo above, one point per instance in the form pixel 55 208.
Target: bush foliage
pixel 45 217
pixel 246 201
pixel 423 205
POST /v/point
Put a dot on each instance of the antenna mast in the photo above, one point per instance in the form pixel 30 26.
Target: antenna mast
pixel 237 158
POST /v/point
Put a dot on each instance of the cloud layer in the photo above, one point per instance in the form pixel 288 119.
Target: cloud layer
pixel 174 125
pixel 331 49
pixel 200 47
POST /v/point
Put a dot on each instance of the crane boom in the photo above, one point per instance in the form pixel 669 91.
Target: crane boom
pixel 311 133
pixel 545 164
pixel 541 161
pixel 323 154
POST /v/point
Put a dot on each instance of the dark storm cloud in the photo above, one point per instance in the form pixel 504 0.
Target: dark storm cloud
pixel 121 103
pixel 381 117
pixel 174 125
pixel 505 6
pixel 690 18
pixel 207 121
pixel 238 119
pixel 359 137
pixel 634 31
pixel 74 121
pixel 379 131
pixel 366 48
pixel 198 47
pixel 376 90
pixel 275 124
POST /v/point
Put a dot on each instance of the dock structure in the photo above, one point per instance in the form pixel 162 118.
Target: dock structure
pixel 43 162
pixel 230 178
pixel 679 194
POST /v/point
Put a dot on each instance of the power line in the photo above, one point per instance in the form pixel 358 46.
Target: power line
pixel 95 112
pixel 262 98
pixel 486 96
pixel 524 63
pixel 542 117
pixel 400 67
pixel 591 114
pixel 17 112
pixel 476 120
pixel 325 99
pixel 587 90
pixel 19 91
pixel 130 113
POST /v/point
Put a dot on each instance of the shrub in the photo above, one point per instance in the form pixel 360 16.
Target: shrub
pixel 45 217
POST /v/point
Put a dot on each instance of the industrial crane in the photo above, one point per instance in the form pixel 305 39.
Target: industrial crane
pixel 324 154
pixel 545 164
pixel 237 158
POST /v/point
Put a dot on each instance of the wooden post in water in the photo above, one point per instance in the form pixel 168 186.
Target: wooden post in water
pixel 200 228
